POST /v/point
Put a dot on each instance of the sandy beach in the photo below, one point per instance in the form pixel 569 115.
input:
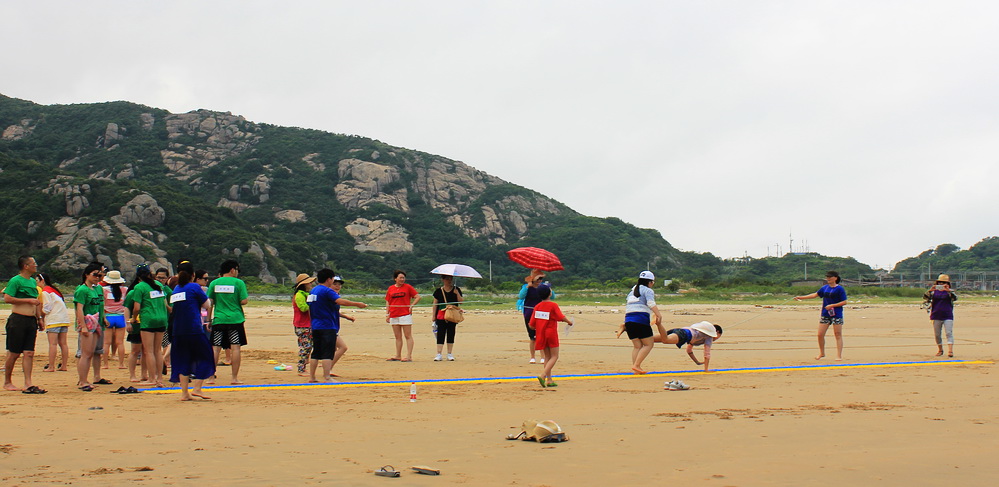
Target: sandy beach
pixel 763 418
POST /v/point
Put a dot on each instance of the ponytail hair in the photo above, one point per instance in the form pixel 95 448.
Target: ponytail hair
pixel 91 267
pixel 48 282
pixel 641 282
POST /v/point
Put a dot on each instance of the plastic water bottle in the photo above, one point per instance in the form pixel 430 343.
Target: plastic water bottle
pixel 412 392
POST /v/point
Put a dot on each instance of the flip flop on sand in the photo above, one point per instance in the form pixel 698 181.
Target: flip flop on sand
pixel 34 390
pixel 426 470
pixel 541 380
pixel 387 471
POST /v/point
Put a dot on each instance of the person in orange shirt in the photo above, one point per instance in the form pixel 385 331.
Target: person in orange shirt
pixel 544 321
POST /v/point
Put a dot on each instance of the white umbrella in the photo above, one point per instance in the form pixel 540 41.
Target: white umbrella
pixel 457 270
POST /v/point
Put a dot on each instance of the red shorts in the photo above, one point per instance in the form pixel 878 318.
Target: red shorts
pixel 546 337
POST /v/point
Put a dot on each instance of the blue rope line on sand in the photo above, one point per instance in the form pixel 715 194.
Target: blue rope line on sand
pixel 568 376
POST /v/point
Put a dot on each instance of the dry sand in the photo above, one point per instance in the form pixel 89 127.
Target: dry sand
pixel 893 425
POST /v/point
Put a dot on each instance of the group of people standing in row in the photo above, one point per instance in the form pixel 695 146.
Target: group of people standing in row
pixel 180 322
pixel 184 322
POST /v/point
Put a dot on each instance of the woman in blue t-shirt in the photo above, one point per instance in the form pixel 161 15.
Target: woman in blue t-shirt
pixel 833 299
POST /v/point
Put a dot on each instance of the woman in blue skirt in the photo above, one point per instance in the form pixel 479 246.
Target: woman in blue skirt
pixel 191 354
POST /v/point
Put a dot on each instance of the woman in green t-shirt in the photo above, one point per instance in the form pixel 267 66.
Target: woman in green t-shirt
pixel 90 323
pixel 151 303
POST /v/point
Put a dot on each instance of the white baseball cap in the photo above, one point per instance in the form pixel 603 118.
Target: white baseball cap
pixel 647 275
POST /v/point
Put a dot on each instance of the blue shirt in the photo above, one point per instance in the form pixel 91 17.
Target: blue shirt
pixel 323 310
pixel 186 301
pixel 832 295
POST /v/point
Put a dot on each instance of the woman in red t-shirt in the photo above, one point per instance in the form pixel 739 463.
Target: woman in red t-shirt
pixel 401 298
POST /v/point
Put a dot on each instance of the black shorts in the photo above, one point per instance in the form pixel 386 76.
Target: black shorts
pixel 21 333
pixel 158 329
pixel 323 344
pixel 638 331
pixel 531 332
pixel 134 337
pixel 683 334
pixel 227 335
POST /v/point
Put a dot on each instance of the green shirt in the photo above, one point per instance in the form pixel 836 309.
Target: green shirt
pixel 227 293
pixel 128 304
pixel 152 305
pixel 21 287
pixel 92 299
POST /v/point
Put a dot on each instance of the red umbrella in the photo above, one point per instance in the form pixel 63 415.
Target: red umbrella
pixel 535 258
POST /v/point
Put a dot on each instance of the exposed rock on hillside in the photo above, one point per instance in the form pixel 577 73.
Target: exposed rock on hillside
pixel 379 236
pixel 218 136
pixel 361 185
pixel 143 210
pixel 18 131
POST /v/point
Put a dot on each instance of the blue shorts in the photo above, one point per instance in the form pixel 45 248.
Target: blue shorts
pixel 116 321
pixel 684 335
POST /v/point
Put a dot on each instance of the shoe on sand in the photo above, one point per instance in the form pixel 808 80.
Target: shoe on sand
pixel 450 358
pixel 387 471
pixel 438 358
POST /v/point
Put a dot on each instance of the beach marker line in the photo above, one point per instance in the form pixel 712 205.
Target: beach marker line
pixel 743 370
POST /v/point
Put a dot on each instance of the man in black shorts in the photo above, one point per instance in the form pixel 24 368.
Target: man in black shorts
pixel 23 325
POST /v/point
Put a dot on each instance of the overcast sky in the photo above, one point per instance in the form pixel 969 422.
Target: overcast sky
pixel 866 129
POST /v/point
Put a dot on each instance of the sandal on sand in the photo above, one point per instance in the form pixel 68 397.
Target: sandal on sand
pixel 104 382
pixel 87 388
pixel 34 390
pixel 551 383
pixel 121 390
pixel 542 381
pixel 387 471
pixel 426 470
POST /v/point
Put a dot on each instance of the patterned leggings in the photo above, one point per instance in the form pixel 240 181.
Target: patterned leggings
pixel 304 346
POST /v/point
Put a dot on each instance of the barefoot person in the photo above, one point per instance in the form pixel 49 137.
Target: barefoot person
pixel 544 321
pixel 833 299
pixel 228 295
pixel 702 333
pixel 192 356
pixel 324 310
pixel 114 309
pixel 639 308
pixel 23 324
pixel 400 299
pixel 56 323
pixel 90 324
pixel 939 301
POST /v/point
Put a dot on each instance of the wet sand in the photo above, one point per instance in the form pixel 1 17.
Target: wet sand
pixel 895 424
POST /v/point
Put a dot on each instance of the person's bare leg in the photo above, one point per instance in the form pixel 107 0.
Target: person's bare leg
pixel 647 344
pixel 341 348
pixel 105 357
pixel 397 331
pixel 119 341
pixel 64 346
pixel 54 349
pixel 96 365
pixel 531 343
pixel 149 356
pixel 838 332
pixel 133 359
pixel 327 370
pixel 185 395
pixel 8 371
pixel 237 359
pixel 823 327
pixel 551 356
pixel 313 364
pixel 407 331
pixel 27 364
pixel 86 359
pixel 196 389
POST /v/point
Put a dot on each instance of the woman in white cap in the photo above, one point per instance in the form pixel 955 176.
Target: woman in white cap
pixel 639 308
pixel 114 309
pixel 302 320
pixel 939 301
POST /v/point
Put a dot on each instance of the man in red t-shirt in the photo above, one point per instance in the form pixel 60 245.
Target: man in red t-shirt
pixel 401 298
pixel 544 321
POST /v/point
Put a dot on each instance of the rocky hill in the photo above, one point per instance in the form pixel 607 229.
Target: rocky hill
pixel 123 183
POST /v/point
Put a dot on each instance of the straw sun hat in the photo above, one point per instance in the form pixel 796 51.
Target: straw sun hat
pixel 303 279
pixel 114 277
pixel 943 278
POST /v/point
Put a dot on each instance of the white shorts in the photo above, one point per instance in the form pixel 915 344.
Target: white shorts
pixel 401 320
